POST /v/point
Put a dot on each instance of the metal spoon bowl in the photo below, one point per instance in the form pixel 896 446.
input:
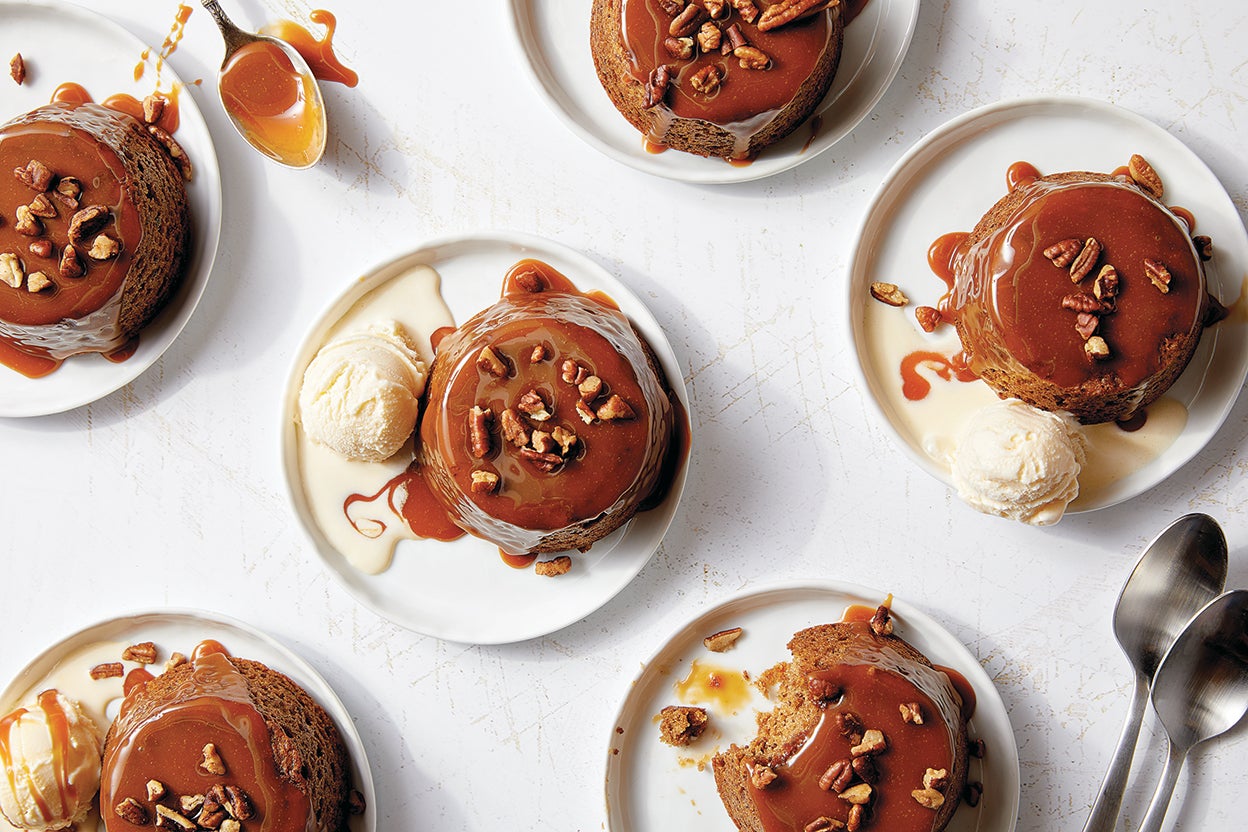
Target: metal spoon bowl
pixel 1180 571
pixel 1201 688
pixel 235 39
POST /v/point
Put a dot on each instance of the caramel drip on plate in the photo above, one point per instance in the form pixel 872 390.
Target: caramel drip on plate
pixel 317 52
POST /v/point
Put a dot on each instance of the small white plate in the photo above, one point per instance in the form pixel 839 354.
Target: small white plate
pixel 61 43
pixel 179 631
pixel 652 787
pixel 554 39
pixel 462 591
pixel 948 180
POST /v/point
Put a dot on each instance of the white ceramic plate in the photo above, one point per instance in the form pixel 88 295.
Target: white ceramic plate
pixel 652 787
pixel 60 43
pixel 554 39
pixel 462 591
pixel 65 666
pixel 950 178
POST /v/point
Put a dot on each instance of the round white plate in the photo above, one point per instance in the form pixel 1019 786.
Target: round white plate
pixel 652 787
pixel 179 631
pixel 462 591
pixel 61 43
pixel 554 39
pixel 950 178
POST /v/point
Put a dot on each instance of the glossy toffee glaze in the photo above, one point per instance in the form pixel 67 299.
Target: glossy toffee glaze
pixel 57 722
pixel 747 101
pixel 317 52
pixel 272 103
pixel 164 740
pixel 79 314
pixel 1006 296
pixel 613 465
pixel 874 680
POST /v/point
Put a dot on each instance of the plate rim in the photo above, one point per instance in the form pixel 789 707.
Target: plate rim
pixel 325 695
pixel 207 172
pixel 715 171
pixel 977 676
pixel 953 126
pixel 288 452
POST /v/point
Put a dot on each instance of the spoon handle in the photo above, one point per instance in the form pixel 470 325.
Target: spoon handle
pixel 1165 789
pixel 234 37
pixel 1105 810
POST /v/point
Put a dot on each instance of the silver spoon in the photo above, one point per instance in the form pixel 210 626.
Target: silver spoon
pixel 272 136
pixel 1179 572
pixel 1201 688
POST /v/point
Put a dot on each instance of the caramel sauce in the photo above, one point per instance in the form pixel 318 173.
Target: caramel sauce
pixel 136 678
pixel 71 93
pixel 317 52
pixel 653 147
pixel 57 722
pixel 1187 216
pixel 272 103
pixel 1134 422
pixel 963 687
pixel 208 647
pixel 941 253
pixel 124 352
pixel 862 613
pixel 1019 174
pixel 721 688
pixel 815 124
pixel 915 387
pixel 31 366
pixel 517 561
pixel 169 120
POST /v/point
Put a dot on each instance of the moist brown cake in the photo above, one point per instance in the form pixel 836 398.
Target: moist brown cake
pixel 869 716
pixel 270 740
pixel 553 450
pixel 95 219
pixel 680 725
pixel 716 100
pixel 1031 305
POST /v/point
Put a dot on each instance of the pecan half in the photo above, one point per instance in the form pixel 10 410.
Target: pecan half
pixel 687 22
pixel 911 713
pixel 928 798
pixel 1105 286
pixel 788 11
pixel 514 430
pixel 541 461
pixel 1156 273
pixel 889 293
pixel 41 248
pixel 1083 302
pixel 679 48
pixel 554 567
pixel 1063 254
pixel 838 776
pixel 1142 174
pixel 615 409
pixel 709 37
pixel 104 247
pixel 131 811
pixel 17 69
pixel 11 271
pixel 928 317
pixel 762 777
pixel 239 804
pixel 672 6
pixel 108 670
pixel 1085 261
pixel 590 388
pixel 583 410
pixel 882 621
pixel 566 439
pixel 35 175
pixel 656 86
pixel 718 9
pixel 705 80
pixel 143 653
pixel 850 726
pixel 479 420
pixel 1096 348
pixel 751 57
pixel 180 159
pixel 1204 247
pixel 87 222
pixel 865 768
pixel 823 824
pixel 484 482
pixel 532 405
pixel 721 641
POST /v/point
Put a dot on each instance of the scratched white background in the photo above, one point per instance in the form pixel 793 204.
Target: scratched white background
pixel 169 491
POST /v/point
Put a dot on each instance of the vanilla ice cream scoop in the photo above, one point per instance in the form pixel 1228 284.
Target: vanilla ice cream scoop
pixel 361 393
pixel 1016 461
pixel 49 763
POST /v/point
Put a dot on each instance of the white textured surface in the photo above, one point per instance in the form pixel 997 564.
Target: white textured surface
pixel 169 492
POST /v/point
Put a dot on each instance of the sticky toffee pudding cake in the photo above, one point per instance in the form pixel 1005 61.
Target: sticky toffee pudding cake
pixel 548 422
pixel 866 734
pixel 94 232
pixel 1079 292
pixel 221 740
pixel 716 77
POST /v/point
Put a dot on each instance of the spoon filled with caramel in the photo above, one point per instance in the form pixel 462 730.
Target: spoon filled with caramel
pixel 270 95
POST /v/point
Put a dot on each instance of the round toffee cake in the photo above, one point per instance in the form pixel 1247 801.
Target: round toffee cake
pixel 223 739
pixel 866 735
pixel 94 230
pixel 547 423
pixel 1079 292
pixel 716 77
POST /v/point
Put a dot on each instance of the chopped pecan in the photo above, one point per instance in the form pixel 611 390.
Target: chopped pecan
pixel 889 293
pixel 823 691
pixel 928 317
pixel 751 57
pixel 87 222
pixel 583 410
pixel 27 223
pixel 709 38
pixel 721 641
pixel 687 22
pixel 762 776
pixel 569 371
pixel 175 660
pixel 132 811
pixel 355 803
pixel 1086 324
pixel 239 804
pixel 143 653
pixel 976 748
pixel 928 798
pixel 615 409
pixel 1085 261
pixel 679 48
pixel 541 461
pixel 230 825
pixel 543 442
pixel 859 795
pixel 11 271
pixel 1156 273
pixel 911 713
pixel 70 265
pixel 479 420
pixel 865 768
pixel 1142 174
pixel 175 150
pixel 212 762
pixel 153 108
pixel 489 361
pixel 108 670
pixel 972 793
pixel 155 790
pixel 37 282
pixel 41 206
pixel 590 388
pixel 1096 348
pixel 717 9
pixel 736 38
pixel 1105 286
pixel 857 817
pixel 882 621
pixel 190 803
pixel 823 824
pixel 214 818
pixel 746 8
pixel 705 80
pixel 514 430
pixel 935 778
pixel 672 6
pixel 565 438
pixel 1063 254
pixel 529 280
pixel 554 567
pixel 68 186
pixel 850 726
pixel 838 776
pixel 484 482
pixel 873 742
pixel 166 818
pixel 538 355
pixel 1204 247
pixel 41 248
pixel 788 11
pixel 656 86
pixel 35 175
pixel 534 406
pixel 17 69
